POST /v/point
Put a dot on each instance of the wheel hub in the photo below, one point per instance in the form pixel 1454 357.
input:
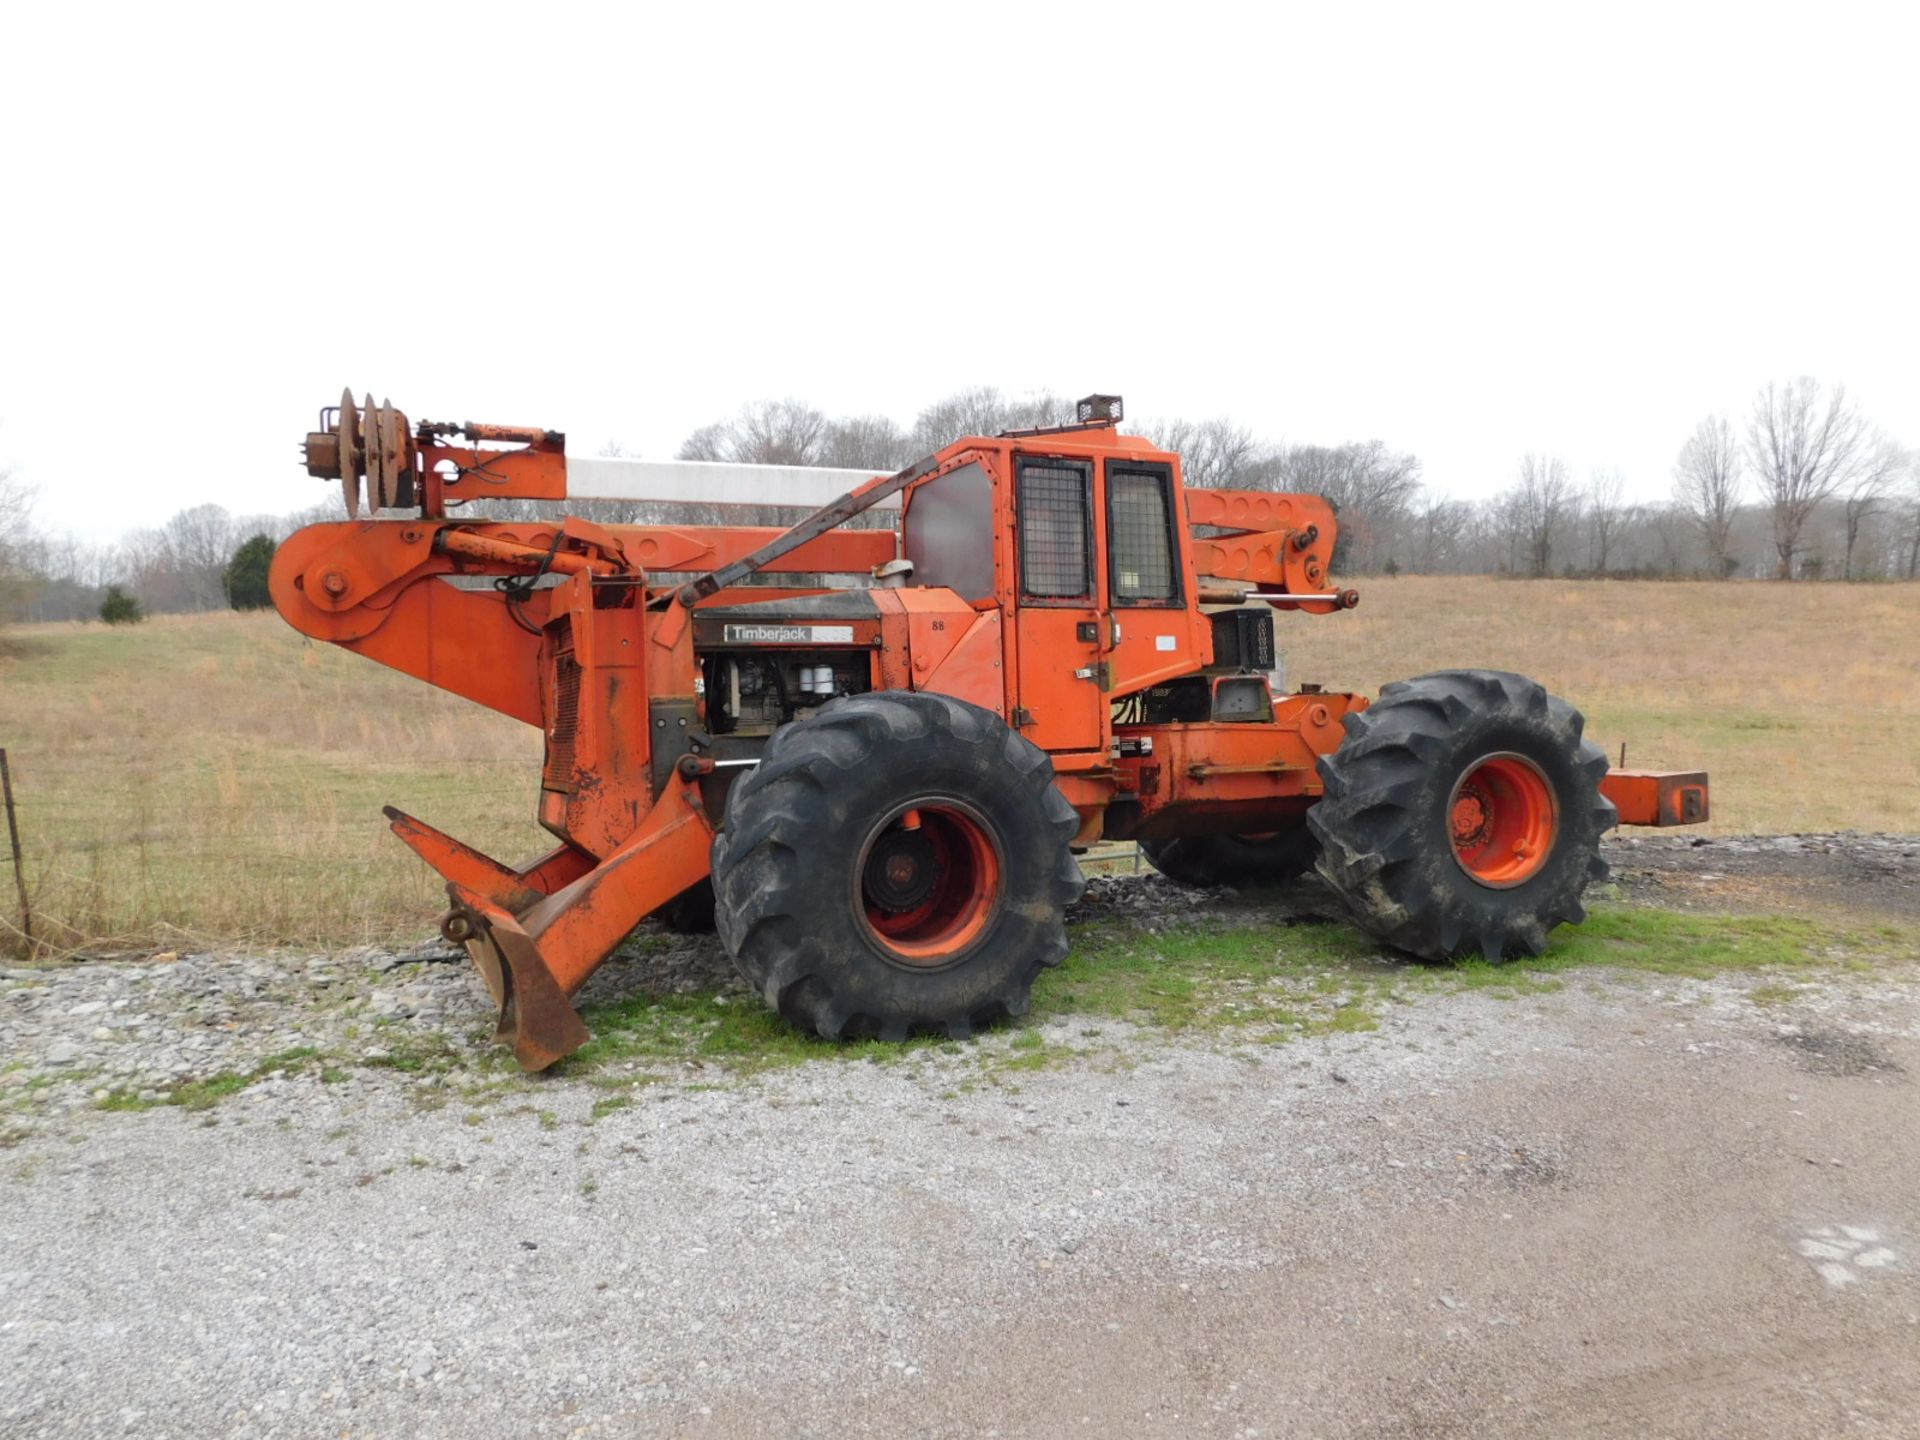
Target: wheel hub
pixel 930 882
pixel 1502 820
pixel 1472 818
pixel 901 870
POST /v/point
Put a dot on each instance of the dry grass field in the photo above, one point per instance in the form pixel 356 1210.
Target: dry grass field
pixel 1803 701
pixel 219 778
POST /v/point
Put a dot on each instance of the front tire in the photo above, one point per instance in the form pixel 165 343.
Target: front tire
pixel 898 862
pixel 1463 814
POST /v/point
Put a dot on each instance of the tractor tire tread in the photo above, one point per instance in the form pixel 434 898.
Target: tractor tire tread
pixel 764 857
pixel 1382 842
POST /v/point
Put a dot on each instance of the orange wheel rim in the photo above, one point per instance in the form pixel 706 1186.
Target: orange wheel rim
pixel 1502 820
pixel 929 882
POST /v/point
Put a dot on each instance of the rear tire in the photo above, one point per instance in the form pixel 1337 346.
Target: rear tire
pixel 1239 862
pixel 898 862
pixel 1463 813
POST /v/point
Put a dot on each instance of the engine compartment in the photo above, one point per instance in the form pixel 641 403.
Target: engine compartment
pixel 753 692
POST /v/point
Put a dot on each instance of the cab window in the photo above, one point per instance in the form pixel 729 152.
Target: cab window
pixel 1140 553
pixel 1056 551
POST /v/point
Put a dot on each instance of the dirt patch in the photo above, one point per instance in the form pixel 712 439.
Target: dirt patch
pixel 1828 1051
pixel 1859 875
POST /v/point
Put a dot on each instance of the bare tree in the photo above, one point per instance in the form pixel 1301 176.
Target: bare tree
pixel 1868 494
pixel 1441 534
pixel 983 410
pixel 780 432
pixel 1913 515
pixel 1671 531
pixel 709 442
pixel 1804 445
pixel 1545 502
pixel 766 432
pixel 1373 489
pixel 1707 484
pixel 200 542
pixel 1607 515
pixel 864 442
pixel 16 515
pixel 1215 454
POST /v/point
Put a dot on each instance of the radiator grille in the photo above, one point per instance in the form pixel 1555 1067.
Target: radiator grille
pixel 1243 640
pixel 563 723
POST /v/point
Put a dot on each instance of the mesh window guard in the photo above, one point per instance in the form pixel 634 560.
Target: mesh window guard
pixel 1140 553
pixel 1053 531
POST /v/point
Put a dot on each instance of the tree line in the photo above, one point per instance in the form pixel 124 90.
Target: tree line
pixel 1809 487
pixel 203 558
pixel 1805 487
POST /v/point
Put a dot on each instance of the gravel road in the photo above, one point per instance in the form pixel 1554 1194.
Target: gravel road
pixel 1632 1206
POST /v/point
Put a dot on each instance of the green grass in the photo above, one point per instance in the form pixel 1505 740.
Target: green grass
pixel 1198 977
pixel 1668 942
pixel 731 1030
pixel 1322 978
pixel 210 1090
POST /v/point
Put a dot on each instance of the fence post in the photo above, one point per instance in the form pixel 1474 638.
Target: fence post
pixel 13 838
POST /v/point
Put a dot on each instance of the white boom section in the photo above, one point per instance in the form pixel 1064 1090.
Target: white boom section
pixel 714 483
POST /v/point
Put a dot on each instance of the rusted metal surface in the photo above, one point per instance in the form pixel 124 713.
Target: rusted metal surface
pixel 534 961
pixel 461 864
pixel 374 444
pixel 1658 797
pixel 434 430
pixel 390 459
pixel 536 1017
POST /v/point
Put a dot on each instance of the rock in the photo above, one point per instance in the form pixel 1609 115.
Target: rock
pixel 389 1005
pixel 63 1052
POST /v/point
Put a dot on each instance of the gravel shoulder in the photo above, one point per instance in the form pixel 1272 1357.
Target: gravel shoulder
pixel 1633 1204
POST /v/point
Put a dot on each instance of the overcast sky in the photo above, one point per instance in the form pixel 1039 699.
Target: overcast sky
pixel 1470 232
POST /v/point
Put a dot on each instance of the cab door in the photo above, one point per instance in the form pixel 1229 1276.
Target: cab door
pixel 1060 645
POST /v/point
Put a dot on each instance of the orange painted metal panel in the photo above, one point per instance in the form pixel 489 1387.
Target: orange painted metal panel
pixel 1657 797
pixel 1256 510
pixel 971 670
pixel 708 547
